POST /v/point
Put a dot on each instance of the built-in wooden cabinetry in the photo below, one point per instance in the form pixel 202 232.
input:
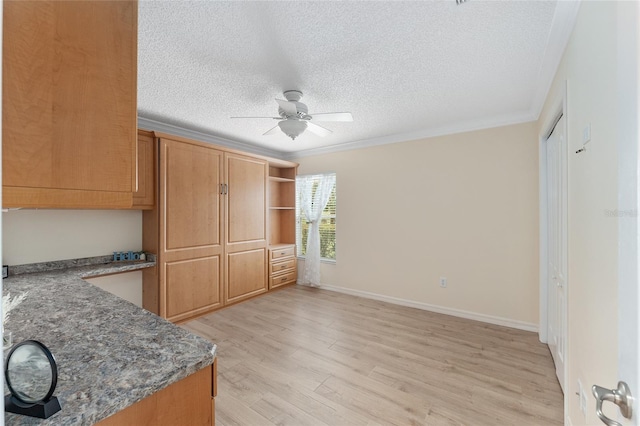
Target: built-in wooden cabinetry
pixel 282 265
pixel 217 215
pixel 144 198
pixel 186 231
pixel 190 401
pixel 282 229
pixel 69 104
pixel 246 226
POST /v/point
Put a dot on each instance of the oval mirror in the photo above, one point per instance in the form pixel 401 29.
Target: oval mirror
pixel 31 372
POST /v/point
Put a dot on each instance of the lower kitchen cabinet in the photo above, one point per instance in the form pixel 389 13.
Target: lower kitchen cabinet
pixel 187 402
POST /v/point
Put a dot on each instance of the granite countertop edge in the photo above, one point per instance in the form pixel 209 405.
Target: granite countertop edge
pixel 111 353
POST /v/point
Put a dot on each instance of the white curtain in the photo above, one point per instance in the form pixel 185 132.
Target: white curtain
pixel 312 206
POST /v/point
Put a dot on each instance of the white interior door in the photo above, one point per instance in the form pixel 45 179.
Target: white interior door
pixel 557 246
pixel 628 315
pixel 629 201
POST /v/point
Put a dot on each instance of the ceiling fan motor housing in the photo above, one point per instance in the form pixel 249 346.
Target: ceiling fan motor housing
pixel 294 96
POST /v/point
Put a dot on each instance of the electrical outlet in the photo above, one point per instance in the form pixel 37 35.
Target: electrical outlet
pixel 443 282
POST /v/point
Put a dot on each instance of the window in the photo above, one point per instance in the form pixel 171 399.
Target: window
pixel 327 222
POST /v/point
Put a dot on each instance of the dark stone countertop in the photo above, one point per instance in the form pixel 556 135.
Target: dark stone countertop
pixel 110 352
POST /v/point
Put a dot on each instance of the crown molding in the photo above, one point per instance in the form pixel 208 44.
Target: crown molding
pixel 466 126
pixel 564 19
pixel 149 124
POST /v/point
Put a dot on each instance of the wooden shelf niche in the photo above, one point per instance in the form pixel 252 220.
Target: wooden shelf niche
pixel 282 204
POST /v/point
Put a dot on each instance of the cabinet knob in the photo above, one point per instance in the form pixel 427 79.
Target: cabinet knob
pixel 282 253
pixel 283 279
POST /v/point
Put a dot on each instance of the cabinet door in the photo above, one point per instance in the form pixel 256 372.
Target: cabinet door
pixel 191 231
pixel 144 197
pixel 246 239
pixel 69 103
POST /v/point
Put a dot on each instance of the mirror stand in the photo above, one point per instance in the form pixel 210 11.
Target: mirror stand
pixel 43 410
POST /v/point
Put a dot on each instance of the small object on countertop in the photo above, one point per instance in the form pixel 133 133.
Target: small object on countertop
pixel 143 256
pixel 5 271
pixel 31 374
pixel 119 256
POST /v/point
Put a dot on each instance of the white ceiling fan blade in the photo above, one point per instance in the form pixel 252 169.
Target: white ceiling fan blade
pixel 318 130
pixel 332 116
pixel 271 118
pixel 272 131
pixel 289 108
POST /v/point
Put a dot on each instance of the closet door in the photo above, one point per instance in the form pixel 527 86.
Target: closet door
pixel 191 231
pixel 246 227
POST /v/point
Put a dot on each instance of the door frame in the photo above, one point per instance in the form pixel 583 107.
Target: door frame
pixel 558 108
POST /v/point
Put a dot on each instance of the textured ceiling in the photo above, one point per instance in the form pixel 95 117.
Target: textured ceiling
pixel 403 69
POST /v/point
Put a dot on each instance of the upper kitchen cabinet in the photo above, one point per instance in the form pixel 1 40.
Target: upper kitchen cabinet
pixel 69 104
pixel 144 198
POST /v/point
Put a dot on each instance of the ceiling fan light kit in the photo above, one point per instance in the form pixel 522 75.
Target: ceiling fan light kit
pixel 292 128
pixel 295 118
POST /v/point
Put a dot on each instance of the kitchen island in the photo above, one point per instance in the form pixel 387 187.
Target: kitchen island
pixel 111 354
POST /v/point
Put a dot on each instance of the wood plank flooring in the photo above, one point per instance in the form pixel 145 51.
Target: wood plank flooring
pixel 305 356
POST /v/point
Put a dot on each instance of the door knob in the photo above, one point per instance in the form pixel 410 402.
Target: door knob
pixel 620 396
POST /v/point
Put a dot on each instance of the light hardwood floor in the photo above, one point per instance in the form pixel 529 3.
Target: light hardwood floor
pixel 304 356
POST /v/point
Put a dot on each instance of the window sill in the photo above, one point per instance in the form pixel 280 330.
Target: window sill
pixel 329 261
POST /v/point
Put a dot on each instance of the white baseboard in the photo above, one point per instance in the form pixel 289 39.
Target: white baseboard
pixel 520 325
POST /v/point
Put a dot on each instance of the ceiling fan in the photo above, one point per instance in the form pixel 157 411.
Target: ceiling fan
pixel 295 118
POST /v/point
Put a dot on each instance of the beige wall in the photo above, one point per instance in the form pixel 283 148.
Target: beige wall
pixel 31 236
pixel 127 286
pixel 589 68
pixel 463 206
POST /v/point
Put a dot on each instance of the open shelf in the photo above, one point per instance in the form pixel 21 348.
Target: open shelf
pixel 280 179
pixel 285 173
pixel 282 203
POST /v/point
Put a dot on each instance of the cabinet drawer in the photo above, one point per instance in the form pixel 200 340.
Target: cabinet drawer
pixel 277 267
pixel 283 252
pixel 282 279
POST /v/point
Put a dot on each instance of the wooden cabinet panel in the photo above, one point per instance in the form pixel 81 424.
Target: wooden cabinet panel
pixel 246 274
pixel 187 402
pixel 69 103
pixel 194 397
pixel 246 199
pixel 191 230
pixel 192 286
pixel 144 197
pixel 192 200
pixel 276 281
pixel 278 267
pixel 282 251
pixel 283 265
pixel 246 230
